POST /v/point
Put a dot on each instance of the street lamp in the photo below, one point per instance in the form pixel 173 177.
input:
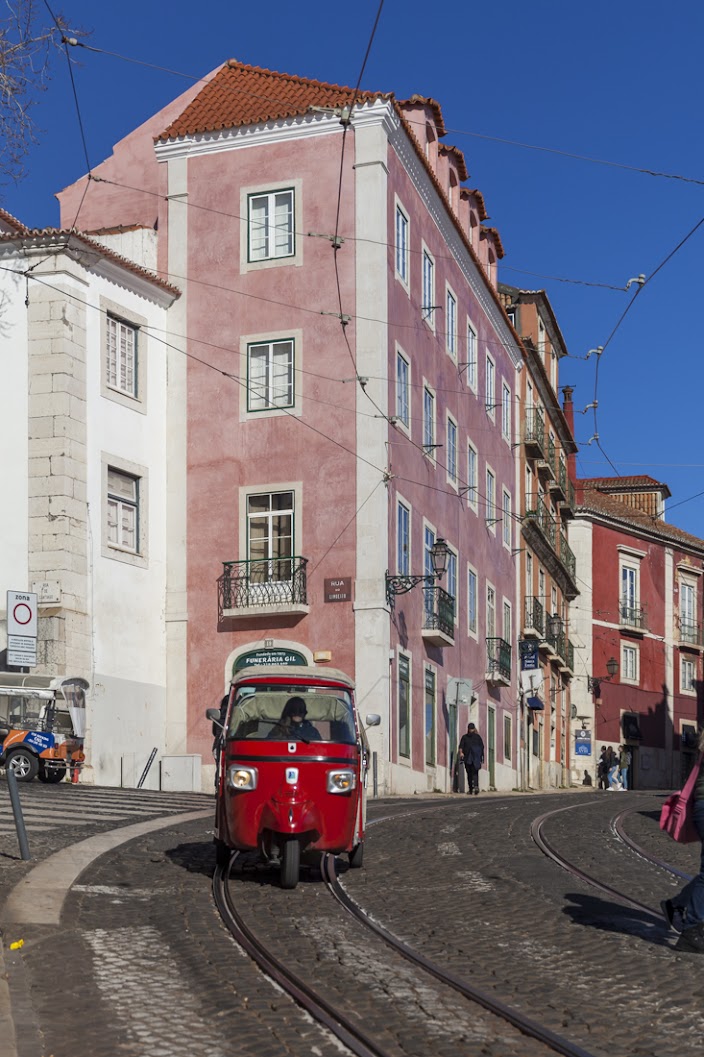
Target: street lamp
pixel 594 682
pixel 399 585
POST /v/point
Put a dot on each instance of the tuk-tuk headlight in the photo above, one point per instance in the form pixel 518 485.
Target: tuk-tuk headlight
pixel 341 781
pixel 242 777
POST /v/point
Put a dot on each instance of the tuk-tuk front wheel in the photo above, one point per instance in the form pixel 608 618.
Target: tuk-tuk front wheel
pixel 51 775
pixel 290 863
pixel 356 856
pixel 23 764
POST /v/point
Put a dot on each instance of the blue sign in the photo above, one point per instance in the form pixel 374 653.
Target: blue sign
pixel 38 741
pixel 529 655
pixel 583 743
pixel 535 703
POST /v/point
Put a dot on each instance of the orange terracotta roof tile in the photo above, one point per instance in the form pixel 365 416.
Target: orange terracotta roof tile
pixel 446 148
pixel 467 192
pixel 425 100
pixel 611 506
pixel 623 484
pixel 249 95
pixel 497 240
pixel 10 221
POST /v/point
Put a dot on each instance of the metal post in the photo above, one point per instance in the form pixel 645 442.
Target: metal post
pixel 17 812
pixel 145 772
pixel 375 781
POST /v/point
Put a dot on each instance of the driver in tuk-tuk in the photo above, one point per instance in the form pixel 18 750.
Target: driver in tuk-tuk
pixel 293 725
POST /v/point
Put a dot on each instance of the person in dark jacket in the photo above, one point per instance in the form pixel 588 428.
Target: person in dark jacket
pixel 472 754
pixel 685 912
pixel 603 769
pixel 293 725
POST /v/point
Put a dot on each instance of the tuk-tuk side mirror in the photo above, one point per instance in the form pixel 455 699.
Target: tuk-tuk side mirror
pixel 213 714
pixel 373 720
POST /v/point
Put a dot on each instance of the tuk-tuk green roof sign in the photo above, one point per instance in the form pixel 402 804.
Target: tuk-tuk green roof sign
pixel 273 655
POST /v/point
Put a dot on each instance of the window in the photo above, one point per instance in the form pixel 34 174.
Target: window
pixel 506 522
pixel 428 591
pixel 541 337
pixel 629 594
pixel 490 396
pixel 123 511
pixel 529 573
pixel 451 451
pixel 629 664
pixel 472 476
pixel 403 401
pixel 428 300
pixel 688 610
pixel 472 601
pixel 688 677
pixel 430 717
pixel 491 500
pixel 404 706
pixel 401 245
pixel 508 738
pixel 506 412
pixel 121 356
pixel 270 536
pixel 270 224
pixel 490 612
pixel 270 375
pixel 471 357
pixel 403 525
pixel 451 324
pixel 452 577
pixel 508 624
pixel 429 422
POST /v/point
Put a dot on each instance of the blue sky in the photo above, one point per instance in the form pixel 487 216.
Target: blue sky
pixel 609 80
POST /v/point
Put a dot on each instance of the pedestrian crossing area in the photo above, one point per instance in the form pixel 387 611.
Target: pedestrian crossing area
pixel 50 807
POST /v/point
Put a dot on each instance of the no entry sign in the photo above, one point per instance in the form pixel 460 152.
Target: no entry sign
pixel 22 614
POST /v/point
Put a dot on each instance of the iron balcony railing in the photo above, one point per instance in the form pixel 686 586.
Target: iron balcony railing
pixel 534 429
pixel 498 653
pixel 439 611
pixel 262 582
pixel 551 457
pixel 566 556
pixel 559 484
pixel 535 615
pixel 691 633
pixel 569 659
pixel 632 616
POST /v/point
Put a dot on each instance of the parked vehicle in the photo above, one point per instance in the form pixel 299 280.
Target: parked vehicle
pixel 292 767
pixel 42 725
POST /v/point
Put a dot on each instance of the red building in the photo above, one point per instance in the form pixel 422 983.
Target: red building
pixel 640 605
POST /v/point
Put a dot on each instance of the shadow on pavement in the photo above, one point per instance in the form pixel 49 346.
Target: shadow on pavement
pixel 607 916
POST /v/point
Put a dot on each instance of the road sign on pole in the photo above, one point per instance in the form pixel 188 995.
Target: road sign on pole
pixel 22 629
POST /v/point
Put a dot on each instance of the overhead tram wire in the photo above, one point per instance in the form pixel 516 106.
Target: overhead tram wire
pixel 658 174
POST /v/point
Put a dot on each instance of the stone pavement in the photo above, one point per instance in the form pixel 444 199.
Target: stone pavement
pixel 140 964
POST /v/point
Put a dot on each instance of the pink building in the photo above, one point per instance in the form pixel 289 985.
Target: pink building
pixel 640 608
pixel 342 393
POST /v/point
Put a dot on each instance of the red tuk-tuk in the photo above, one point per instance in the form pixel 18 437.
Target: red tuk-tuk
pixel 292 765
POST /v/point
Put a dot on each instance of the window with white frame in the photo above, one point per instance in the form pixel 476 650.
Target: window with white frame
pixel 688 613
pixel 270 536
pixel 271 225
pixel 452 578
pixel 404 706
pixel 630 605
pixel 491 500
pixel 270 374
pixel 121 356
pixel 451 450
pixel 402 245
pixel 403 390
pixel 688 676
pixel 451 323
pixel 508 737
pixel 428 293
pixel 490 395
pixel 508 622
pixel 429 422
pixel 490 612
pixel 472 475
pixel 403 539
pixel 506 412
pixel 506 518
pixel 630 663
pixel 471 357
pixel 430 694
pixel 123 510
pixel 472 600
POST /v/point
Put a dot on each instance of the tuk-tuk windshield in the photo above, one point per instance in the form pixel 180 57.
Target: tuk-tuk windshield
pixel 292 713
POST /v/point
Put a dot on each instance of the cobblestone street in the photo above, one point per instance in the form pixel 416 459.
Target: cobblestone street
pixel 141 964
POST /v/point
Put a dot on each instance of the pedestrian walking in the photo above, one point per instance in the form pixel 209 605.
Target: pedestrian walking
pixel 472 754
pixel 624 762
pixel 614 777
pixel 685 912
pixel 602 770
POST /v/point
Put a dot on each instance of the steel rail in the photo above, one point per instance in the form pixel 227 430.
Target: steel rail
pixel 617 825
pixel 343 1029
pixel 524 1024
pixel 536 832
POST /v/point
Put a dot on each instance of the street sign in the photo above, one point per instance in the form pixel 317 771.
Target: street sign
pixel 583 743
pixel 22 613
pixel 21 651
pixel 529 654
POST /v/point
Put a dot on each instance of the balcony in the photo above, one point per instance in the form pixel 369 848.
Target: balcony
pixel 567 665
pixel 263 587
pixel 558 485
pixel 566 556
pixel 567 504
pixel 547 464
pixel 632 617
pixel 691 635
pixel 534 432
pixel 534 621
pixel 545 534
pixel 438 617
pixel 498 662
